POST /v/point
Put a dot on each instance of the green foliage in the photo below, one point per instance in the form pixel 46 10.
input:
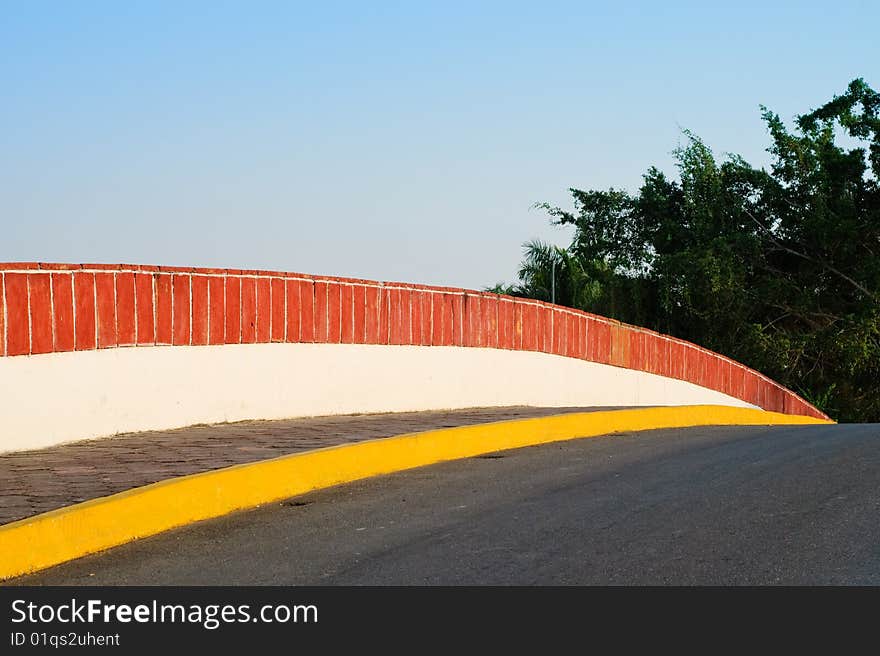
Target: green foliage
pixel 779 269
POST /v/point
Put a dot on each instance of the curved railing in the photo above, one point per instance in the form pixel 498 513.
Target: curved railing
pixel 49 308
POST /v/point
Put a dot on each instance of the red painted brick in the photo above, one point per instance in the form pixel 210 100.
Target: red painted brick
pixel 181 304
pixel 631 346
pixel 384 316
pixel 40 305
pixel 673 358
pixel 102 267
pixel 750 388
pixel 552 328
pixel 608 342
pixel 572 335
pixel 164 304
pixel 711 376
pixel 459 319
pixel 663 357
pixel 391 311
pixel 682 361
pixel 558 331
pixel 146 324
pixel 232 310
pixel 547 329
pixel 84 311
pixel 53 266
pixel 582 337
pixel 591 339
pixel 248 310
pixel 346 314
pixel 322 313
pixel 561 322
pixel 406 317
pixel 531 327
pixel 394 330
pixel 432 317
pixel 517 313
pixel 416 316
pixel 526 326
pixel 489 307
pixel 518 326
pixel 582 330
pixel 544 328
pixel 691 363
pixel 565 346
pixel 603 342
pixel 359 312
pixel 125 326
pixel 726 376
pixel 105 291
pixel 523 314
pixel 715 371
pixel 705 369
pixel 648 352
pixel 334 312
pixel 473 311
pixel 644 352
pixel 738 384
pixel 307 310
pixel 629 336
pixel 426 301
pixel 437 306
pixel 199 310
pixel 598 341
pixel 216 310
pixel 693 366
pixel 264 310
pixel 448 325
pixel 718 373
pixel 2 315
pixel 789 405
pixel 371 315
pixel 502 324
pixel 635 349
pixel 540 328
pixel 720 367
pixel 292 317
pixel 433 309
pixel 279 300
pixel 18 266
pixel 558 326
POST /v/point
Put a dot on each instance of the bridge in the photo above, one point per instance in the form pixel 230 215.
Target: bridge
pixel 138 400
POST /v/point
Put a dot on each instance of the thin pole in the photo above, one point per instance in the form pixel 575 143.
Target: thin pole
pixel 553 282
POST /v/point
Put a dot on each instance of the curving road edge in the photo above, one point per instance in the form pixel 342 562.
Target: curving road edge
pixel 55 537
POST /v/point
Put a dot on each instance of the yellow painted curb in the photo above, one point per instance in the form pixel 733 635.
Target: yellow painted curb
pixel 60 535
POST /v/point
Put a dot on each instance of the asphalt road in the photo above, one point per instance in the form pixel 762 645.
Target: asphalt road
pixel 781 505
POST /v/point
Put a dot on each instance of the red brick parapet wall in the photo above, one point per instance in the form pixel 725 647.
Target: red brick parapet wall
pixel 48 308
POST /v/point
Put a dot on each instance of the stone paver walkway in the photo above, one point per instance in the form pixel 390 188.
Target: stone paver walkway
pixel 33 482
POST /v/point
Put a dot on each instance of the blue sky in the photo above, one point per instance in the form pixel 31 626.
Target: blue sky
pixel 396 141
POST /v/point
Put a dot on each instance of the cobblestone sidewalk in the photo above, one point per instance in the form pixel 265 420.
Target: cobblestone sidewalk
pixel 33 482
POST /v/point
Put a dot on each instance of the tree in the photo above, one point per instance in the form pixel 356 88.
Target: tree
pixel 779 269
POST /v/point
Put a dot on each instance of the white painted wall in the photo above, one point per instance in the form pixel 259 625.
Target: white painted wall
pixel 59 397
